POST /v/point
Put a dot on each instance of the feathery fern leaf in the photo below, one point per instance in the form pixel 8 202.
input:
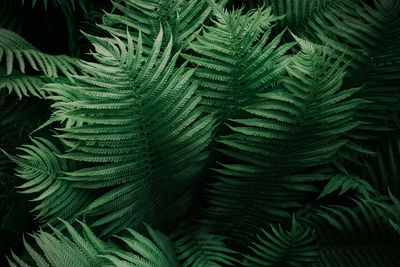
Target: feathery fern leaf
pixel 14 48
pixel 382 170
pixel 22 84
pixel 178 18
pixel 153 252
pixel 346 183
pixel 57 249
pixel 137 119
pixel 357 235
pixel 196 248
pixel 381 79
pixel 350 27
pixel 236 60
pixel 86 249
pixel 41 167
pixel 295 247
pixel 278 140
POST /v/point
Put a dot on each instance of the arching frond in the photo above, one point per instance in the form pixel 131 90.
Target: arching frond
pixel 22 84
pixel 144 252
pixel 57 249
pixel 84 248
pixel 277 140
pixel 236 59
pixel 42 169
pixel 347 182
pixel 277 247
pixel 178 18
pixel 381 170
pixel 137 119
pixel 351 27
pixel 355 235
pixel 196 248
pixel 15 50
pixel 381 80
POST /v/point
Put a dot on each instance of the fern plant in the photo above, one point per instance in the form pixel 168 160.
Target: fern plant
pixel 201 133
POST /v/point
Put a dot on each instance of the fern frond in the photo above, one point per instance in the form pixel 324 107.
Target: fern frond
pixel 355 235
pixel 381 82
pixel 137 118
pixel 350 27
pixel 16 50
pixel 153 252
pixel 285 133
pixel 86 249
pixel 236 60
pixel 178 18
pixel 381 170
pixel 278 247
pixel 346 183
pixel 196 248
pixel 57 249
pixel 22 84
pixel 42 169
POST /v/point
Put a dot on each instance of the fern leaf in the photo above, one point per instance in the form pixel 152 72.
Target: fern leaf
pixel 138 120
pixel 235 59
pixel 181 19
pixel 278 247
pixel 17 51
pixel 354 235
pixel 153 252
pixel 346 183
pixel 23 85
pixel 277 141
pixel 42 169
pixel 57 249
pixel 198 248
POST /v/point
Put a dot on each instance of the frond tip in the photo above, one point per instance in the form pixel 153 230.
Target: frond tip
pixel 278 247
pixel 197 248
pixel 15 48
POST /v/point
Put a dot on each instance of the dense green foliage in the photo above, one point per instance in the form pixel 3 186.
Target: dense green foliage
pixel 200 133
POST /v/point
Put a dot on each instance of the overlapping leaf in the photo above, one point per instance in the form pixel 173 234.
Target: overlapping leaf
pixel 237 59
pixel 282 136
pixel 136 118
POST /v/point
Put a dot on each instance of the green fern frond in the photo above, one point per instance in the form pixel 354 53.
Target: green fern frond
pixel 355 235
pixel 153 252
pixel 22 84
pixel 57 249
pixel 350 27
pixel 16 50
pixel 277 141
pixel 42 169
pixel 137 118
pixel 235 60
pixel 196 248
pixel 86 249
pixel 346 183
pixel 381 82
pixel 278 247
pixel 381 170
pixel 178 18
